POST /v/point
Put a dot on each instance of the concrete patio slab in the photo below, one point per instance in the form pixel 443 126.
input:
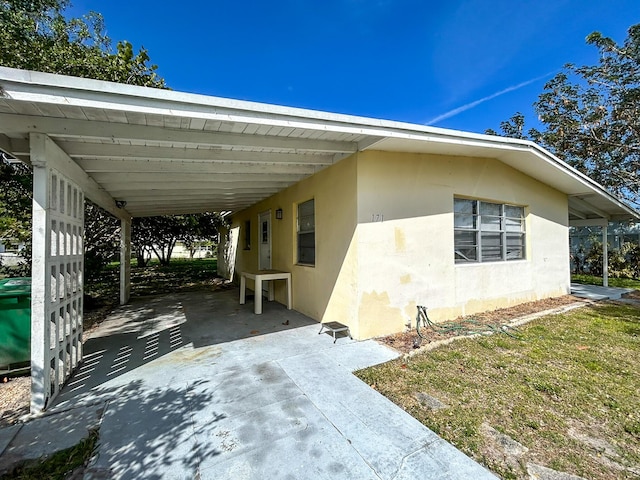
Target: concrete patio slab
pixel 6 435
pixel 382 433
pixel 297 442
pixel 48 434
pixel 149 434
pixel 596 293
pixel 195 385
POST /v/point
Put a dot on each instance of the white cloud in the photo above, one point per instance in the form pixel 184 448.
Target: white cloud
pixel 468 106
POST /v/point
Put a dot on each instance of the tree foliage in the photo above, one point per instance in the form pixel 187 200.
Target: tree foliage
pixel 160 234
pixel 35 35
pixel 101 239
pixel 591 115
pixel 514 127
pixel 623 262
pixel 15 208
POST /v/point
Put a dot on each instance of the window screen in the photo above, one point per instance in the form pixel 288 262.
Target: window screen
pixel 487 232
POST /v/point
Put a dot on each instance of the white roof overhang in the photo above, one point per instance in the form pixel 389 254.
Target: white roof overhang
pixel 166 152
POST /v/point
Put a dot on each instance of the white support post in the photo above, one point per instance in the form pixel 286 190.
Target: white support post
pixel 40 288
pixel 125 260
pixel 605 257
pixel 57 273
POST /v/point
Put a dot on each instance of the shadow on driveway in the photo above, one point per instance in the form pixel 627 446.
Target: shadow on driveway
pixel 150 328
pixel 194 385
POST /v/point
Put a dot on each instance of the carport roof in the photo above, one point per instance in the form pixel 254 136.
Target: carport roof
pixel 166 152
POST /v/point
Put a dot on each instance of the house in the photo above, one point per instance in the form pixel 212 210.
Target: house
pixel 460 230
pixel 370 217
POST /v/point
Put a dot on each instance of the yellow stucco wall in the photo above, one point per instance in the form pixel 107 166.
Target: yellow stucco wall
pixel 384 241
pixel 326 291
pixel 405 251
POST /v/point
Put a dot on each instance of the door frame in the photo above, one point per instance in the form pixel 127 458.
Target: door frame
pixel 266 214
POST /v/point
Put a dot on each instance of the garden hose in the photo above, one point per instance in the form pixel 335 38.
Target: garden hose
pixel 463 328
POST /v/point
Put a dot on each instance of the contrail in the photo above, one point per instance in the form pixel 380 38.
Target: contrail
pixel 468 106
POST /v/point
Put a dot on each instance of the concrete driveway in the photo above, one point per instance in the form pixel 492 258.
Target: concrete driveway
pixel 195 385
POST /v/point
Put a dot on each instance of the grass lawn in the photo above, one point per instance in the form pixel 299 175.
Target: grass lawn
pixel 61 465
pixel 568 392
pixel 153 279
pixel 613 282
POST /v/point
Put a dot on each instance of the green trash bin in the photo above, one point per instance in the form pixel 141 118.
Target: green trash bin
pixel 15 324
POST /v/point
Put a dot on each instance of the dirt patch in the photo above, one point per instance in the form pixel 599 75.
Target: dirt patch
pixel 635 295
pixel 406 342
pixel 14 399
pixel 94 317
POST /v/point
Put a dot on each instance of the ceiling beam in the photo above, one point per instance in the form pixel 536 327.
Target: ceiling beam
pixel 168 185
pixel 183 210
pixel 199 168
pixel 131 202
pixel 92 150
pixel 197 192
pixel 576 213
pixel 85 129
pixel 195 205
pixel 176 197
pixel 589 222
pixel 587 206
pixel 113 179
pixel 179 211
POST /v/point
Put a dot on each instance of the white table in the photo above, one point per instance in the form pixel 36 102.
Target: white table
pixel 258 278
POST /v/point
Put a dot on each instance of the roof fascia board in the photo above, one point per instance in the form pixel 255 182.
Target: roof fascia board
pixel 63 90
pixel 591 185
pixel 33 86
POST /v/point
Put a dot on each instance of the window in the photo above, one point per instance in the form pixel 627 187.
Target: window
pixel 487 232
pixel 247 235
pixel 306 233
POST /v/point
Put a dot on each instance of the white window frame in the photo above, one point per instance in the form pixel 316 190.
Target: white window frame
pixel 306 229
pixel 508 228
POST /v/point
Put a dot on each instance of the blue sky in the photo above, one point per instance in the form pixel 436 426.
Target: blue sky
pixel 423 62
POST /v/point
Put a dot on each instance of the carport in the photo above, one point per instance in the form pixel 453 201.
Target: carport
pixel 139 152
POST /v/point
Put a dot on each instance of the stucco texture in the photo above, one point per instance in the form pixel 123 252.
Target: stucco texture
pixel 384 241
pixel 407 259
pixel 327 290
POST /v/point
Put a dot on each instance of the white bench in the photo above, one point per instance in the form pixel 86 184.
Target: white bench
pixel 258 278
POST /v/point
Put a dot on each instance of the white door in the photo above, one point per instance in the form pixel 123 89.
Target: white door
pixel 264 235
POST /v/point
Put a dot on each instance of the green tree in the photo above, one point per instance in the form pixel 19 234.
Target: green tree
pixel 590 115
pixel 36 35
pixel 514 127
pixel 101 240
pixel 15 209
pixel 160 234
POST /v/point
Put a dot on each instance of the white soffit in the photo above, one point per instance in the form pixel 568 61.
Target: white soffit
pixel 167 152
